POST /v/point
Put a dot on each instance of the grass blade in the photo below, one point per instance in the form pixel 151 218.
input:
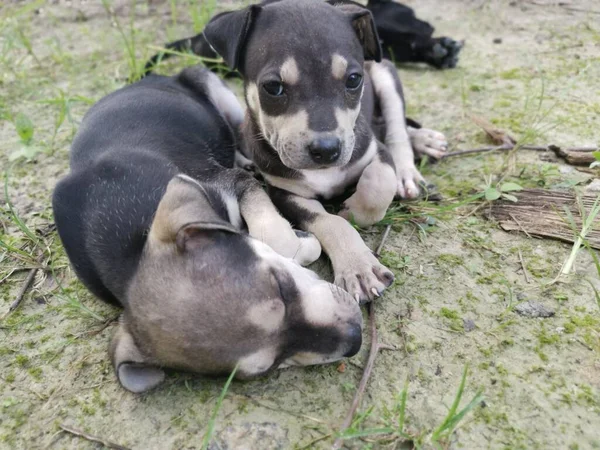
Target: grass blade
pixel 452 418
pixel 213 418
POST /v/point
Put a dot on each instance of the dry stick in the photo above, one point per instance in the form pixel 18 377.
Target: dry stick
pixel 375 347
pixel 24 288
pixel 537 148
pixel 524 268
pixel 92 438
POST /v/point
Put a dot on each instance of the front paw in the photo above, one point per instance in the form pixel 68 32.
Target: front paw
pixel 409 179
pixel 364 277
pixel 363 215
pixel 428 142
pixel 309 249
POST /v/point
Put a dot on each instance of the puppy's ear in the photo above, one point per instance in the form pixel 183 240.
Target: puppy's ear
pixel 228 32
pixel 364 26
pixel 134 371
pixel 185 210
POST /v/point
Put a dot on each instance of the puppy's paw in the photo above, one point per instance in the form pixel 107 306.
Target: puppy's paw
pixel 409 179
pixel 443 54
pixel 428 142
pixel 242 162
pixel 309 249
pixel 362 215
pixel 363 277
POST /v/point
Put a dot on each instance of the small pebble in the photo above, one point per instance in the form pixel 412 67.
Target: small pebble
pixel 533 309
pixel 497 41
pixel 468 325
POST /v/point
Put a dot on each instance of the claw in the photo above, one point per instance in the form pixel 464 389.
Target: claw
pixel 375 292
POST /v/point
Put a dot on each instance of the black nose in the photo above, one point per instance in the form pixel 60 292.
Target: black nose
pixel 325 150
pixel 354 336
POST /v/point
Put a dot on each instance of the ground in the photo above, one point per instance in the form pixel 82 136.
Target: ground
pixel 531 67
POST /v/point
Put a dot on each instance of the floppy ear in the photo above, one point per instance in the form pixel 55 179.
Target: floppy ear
pixel 134 371
pixel 364 26
pixel 184 212
pixel 228 32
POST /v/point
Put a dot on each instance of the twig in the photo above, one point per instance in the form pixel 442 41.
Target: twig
pixel 520 226
pixel 524 268
pixel 101 328
pixel 384 237
pixel 24 288
pixel 588 11
pixel 476 150
pixel 538 148
pixel 365 378
pixel 375 347
pixel 92 438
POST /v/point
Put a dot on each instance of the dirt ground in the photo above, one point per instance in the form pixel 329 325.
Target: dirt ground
pixel 531 67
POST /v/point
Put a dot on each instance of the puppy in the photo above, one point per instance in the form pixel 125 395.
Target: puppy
pixel 154 218
pixel 315 85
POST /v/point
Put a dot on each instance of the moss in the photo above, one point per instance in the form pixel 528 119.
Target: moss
pixel 21 360
pixel 547 338
pixel 449 313
pixel 450 260
pixel 35 372
pixel 512 74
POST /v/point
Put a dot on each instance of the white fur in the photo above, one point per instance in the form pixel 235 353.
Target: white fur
pixel 396 139
pixel 225 100
pixel 233 210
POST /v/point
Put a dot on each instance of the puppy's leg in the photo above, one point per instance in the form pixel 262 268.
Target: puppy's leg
pixel 375 191
pixel 355 267
pixel 267 225
pixel 231 109
pixel 388 90
pixel 428 142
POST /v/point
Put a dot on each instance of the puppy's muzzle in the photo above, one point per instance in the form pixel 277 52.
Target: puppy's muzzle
pixel 354 337
pixel 325 150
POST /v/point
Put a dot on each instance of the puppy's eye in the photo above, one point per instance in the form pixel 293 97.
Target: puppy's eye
pixel 354 81
pixel 274 88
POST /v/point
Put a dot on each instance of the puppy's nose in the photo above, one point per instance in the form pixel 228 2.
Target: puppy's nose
pixel 354 336
pixel 325 150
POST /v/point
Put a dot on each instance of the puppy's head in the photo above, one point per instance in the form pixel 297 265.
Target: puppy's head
pixel 207 298
pixel 302 62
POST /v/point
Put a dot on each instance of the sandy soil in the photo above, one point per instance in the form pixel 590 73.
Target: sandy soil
pixel 540 376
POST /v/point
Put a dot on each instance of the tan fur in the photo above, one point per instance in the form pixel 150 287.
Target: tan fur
pixel 375 192
pixel 289 72
pixel 428 142
pixel 353 262
pixel 339 64
pixel 267 225
pixel 267 315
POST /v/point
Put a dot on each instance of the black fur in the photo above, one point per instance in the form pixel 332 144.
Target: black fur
pixel 130 145
pixel 404 39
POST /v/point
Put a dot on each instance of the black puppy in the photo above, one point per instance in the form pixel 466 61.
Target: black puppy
pixel 404 38
pixel 153 216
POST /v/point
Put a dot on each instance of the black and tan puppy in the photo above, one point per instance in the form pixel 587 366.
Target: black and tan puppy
pixel 154 218
pixel 315 87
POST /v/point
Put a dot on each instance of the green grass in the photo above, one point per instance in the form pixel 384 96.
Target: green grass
pixel 395 429
pixel 213 418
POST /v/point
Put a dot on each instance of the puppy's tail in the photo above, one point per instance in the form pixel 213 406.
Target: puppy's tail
pixel 198 45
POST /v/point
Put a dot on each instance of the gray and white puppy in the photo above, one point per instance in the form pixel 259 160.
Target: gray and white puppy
pixel 154 218
pixel 316 90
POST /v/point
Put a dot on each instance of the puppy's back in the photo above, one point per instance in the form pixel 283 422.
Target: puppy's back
pixel 130 145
